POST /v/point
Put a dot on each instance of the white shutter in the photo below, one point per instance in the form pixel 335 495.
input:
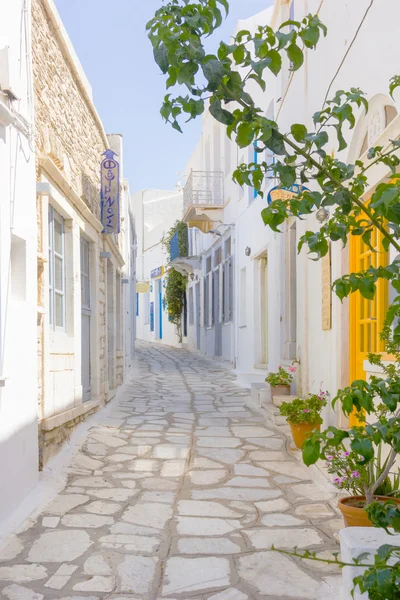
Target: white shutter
pixel 210 290
pixel 202 302
pixel 229 291
pixel 221 296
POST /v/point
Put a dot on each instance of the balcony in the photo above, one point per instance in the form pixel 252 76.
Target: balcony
pixel 179 254
pixel 203 199
pixel 178 246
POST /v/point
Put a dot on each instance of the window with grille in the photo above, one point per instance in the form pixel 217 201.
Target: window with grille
pixel 218 256
pixel 208 303
pixel 243 298
pixel 191 307
pixel 228 151
pixel 227 290
pixel 56 270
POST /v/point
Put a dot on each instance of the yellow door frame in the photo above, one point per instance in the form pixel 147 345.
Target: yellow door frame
pixel 366 316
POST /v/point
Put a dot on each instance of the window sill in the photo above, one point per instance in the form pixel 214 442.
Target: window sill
pixel 68 415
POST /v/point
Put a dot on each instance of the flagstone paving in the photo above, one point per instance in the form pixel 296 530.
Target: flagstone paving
pixel 179 492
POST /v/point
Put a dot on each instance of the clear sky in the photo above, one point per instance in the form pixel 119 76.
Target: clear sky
pixel 110 40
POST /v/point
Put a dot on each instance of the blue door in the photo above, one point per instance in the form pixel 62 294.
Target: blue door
pixel 160 305
pixel 151 316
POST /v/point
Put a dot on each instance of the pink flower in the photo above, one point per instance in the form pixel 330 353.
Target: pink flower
pixel 306 410
pixel 346 454
pixel 355 474
pixel 336 480
pixel 292 369
pixel 329 457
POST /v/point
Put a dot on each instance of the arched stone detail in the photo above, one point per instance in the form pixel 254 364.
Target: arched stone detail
pixel 371 125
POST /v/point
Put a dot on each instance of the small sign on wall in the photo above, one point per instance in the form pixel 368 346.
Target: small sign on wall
pixel 142 287
pixel 281 193
pixel 326 291
pixel 110 192
pixel 158 272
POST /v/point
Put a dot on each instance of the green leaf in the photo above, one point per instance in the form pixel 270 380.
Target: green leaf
pixel 296 56
pixel 276 61
pixel 161 57
pixel 225 4
pixel 213 71
pixel 259 80
pixel 394 83
pixel 311 452
pixel 283 39
pixel 220 114
pixel 275 143
pixel 299 132
pixel 367 288
pixel 176 126
pixel 245 135
pixel 364 448
pixel 310 36
pixel 239 54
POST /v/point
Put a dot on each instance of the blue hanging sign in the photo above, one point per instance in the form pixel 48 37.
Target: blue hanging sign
pixel 281 193
pixel 110 193
pixel 158 272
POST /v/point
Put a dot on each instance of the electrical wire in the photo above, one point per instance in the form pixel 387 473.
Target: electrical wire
pixel 347 51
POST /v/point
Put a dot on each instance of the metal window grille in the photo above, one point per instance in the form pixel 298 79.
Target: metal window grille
pixel 191 306
pixel 56 270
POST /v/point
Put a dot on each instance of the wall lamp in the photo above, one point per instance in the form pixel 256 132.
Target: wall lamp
pixel 194 277
pixel 322 215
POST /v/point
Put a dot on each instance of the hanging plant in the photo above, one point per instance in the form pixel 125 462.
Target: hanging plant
pixel 181 229
pixel 176 282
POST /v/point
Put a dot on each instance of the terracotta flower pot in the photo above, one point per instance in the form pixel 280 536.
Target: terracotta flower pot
pixel 280 390
pixel 352 509
pixel 301 431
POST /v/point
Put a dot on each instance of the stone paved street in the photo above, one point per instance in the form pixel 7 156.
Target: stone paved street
pixel 177 493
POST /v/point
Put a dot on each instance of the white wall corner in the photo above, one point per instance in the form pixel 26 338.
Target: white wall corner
pixel 355 541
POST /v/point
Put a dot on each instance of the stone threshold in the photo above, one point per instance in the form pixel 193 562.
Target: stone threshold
pixel 69 415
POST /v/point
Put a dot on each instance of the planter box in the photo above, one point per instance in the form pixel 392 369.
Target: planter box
pixel 355 541
pixel 278 400
pixel 280 390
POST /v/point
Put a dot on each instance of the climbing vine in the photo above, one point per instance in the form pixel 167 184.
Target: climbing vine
pixel 176 282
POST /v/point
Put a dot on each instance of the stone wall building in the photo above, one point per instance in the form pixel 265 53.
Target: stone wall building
pixel 81 273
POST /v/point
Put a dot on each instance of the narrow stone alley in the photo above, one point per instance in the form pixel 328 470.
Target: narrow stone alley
pixel 178 492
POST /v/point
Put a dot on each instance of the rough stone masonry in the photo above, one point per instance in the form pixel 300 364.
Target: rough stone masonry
pixel 178 493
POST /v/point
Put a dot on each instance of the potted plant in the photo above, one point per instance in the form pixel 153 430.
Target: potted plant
pixel 352 475
pixel 364 458
pixel 304 415
pixel 280 381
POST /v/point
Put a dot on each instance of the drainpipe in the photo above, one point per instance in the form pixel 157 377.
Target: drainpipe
pixel 142 207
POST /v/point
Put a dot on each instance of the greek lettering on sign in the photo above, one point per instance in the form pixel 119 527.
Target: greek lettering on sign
pixel 110 191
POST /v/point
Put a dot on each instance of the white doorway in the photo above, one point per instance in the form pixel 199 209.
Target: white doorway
pixel 86 319
pixel 263 282
pixel 111 325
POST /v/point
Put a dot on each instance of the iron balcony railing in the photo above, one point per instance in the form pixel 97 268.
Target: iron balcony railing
pixel 178 246
pixel 204 188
